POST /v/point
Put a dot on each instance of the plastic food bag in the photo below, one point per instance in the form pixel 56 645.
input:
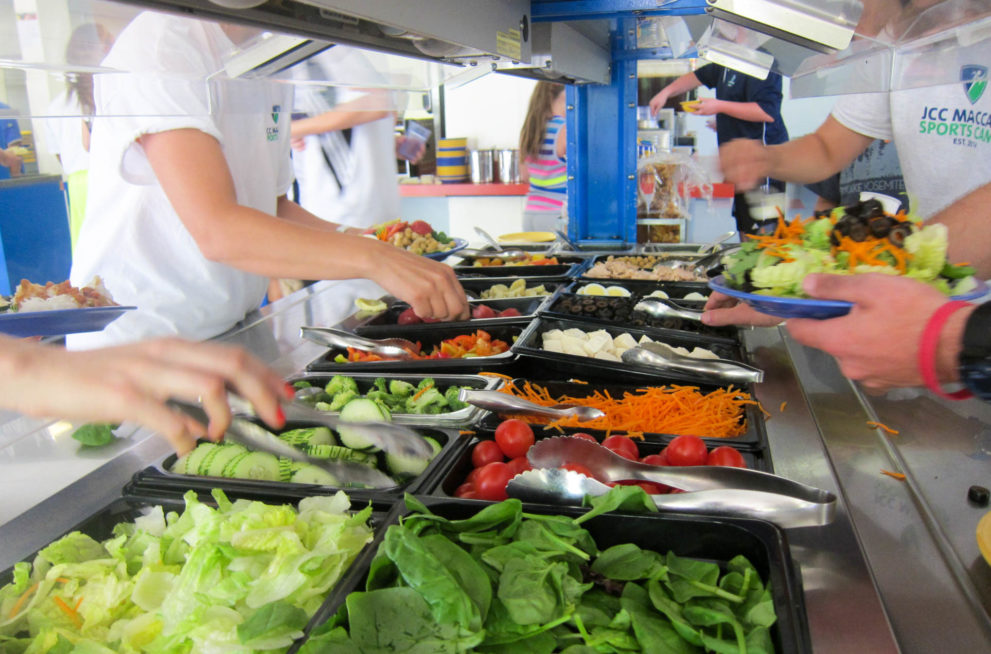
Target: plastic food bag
pixel 660 176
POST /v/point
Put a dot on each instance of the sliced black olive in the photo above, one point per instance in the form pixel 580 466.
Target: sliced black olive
pixel 898 233
pixel 979 495
pixel 880 226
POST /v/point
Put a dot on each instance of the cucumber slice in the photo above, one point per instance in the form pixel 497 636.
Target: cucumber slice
pixel 204 465
pixel 434 443
pixel 296 436
pixel 257 465
pixel 310 474
pixel 179 465
pixel 405 466
pixel 361 410
pixel 321 436
pixel 285 468
pixel 220 457
pixel 232 465
pixel 193 458
pixel 339 453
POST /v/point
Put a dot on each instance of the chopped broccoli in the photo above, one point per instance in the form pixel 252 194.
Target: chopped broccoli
pixel 401 388
pixel 323 406
pixel 451 395
pixel 429 397
pixel 339 383
pixel 381 384
pixel 426 382
pixel 342 398
pixel 302 383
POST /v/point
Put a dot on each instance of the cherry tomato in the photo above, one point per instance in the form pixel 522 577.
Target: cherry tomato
pixel 687 451
pixel 724 455
pixel 492 480
pixel 472 476
pixel 470 495
pixel 483 311
pixel 623 446
pixel 655 460
pixel 514 437
pixel 408 317
pixel 586 436
pixel 484 453
pixel 519 464
pixel 464 488
pixel 579 468
pixel 511 311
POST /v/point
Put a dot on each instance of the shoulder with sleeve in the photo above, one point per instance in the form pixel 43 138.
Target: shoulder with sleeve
pixel 169 44
pixel 865 113
pixel 709 75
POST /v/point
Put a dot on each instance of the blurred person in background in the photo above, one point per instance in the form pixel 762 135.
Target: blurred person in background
pixel 745 108
pixel 543 150
pixel 68 132
pixel 10 136
pixel 187 216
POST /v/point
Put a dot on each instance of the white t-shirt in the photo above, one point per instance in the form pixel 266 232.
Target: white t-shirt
pixel 942 133
pixel 132 237
pixel 362 189
pixel 64 136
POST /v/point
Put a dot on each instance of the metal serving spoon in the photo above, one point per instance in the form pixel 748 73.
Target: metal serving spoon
pixel 568 488
pixel 712 245
pixel 394 348
pixel 659 355
pixel 659 309
pixel 504 403
pixel 488 239
pixel 510 253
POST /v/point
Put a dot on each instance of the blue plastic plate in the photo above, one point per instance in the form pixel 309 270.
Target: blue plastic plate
pixel 797 307
pixel 459 244
pixel 58 322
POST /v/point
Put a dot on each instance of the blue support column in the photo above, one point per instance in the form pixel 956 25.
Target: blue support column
pixel 602 134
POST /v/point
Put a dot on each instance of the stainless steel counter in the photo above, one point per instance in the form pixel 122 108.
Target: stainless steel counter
pixel 897 571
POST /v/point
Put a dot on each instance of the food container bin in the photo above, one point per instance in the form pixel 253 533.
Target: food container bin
pixel 476 287
pixel 530 345
pixel 637 260
pixel 676 291
pixel 620 311
pixel 567 266
pixel 100 524
pixel 450 419
pixel 716 540
pixel 526 307
pixel 161 478
pixel 753 437
pixel 428 335
pixel 457 471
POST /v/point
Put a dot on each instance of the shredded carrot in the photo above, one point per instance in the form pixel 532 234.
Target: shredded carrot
pixel 416 396
pixel 485 373
pixel 578 381
pixel 783 405
pixel 467 432
pixel 22 599
pixel 68 610
pixel 896 475
pixel 655 409
pixel 62 580
pixel 882 427
pixel 78 604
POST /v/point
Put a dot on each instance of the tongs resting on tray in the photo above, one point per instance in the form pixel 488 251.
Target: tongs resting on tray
pixel 659 355
pixel 713 490
pixel 505 403
pixel 393 348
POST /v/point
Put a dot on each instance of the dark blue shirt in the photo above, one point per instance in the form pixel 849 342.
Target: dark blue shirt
pixel 9 132
pixel 737 87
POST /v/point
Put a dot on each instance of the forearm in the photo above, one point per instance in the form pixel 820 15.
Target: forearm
pixel 10 160
pixel 683 84
pixel 969 230
pixel 816 156
pixel 749 111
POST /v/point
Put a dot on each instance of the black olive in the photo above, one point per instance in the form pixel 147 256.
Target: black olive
pixel 871 208
pixel 880 226
pixel 979 495
pixel 898 233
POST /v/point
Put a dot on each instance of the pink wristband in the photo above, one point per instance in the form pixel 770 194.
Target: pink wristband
pixel 929 345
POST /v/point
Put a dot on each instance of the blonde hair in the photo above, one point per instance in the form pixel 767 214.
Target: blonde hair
pixel 537 115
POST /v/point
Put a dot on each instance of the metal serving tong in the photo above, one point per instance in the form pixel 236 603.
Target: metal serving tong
pixel 257 438
pixel 659 355
pixel 659 309
pixel 713 490
pixel 394 348
pixel 386 436
pixel 504 403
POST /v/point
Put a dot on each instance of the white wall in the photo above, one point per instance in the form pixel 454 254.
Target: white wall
pixel 489 110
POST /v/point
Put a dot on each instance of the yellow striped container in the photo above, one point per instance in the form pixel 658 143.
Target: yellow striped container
pixel 452 160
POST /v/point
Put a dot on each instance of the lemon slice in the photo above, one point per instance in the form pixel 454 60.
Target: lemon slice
pixel 984 536
pixel 369 305
pixel 617 291
pixel 592 289
pixel 660 294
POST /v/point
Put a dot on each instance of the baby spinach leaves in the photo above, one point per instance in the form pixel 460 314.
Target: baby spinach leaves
pixel 505 581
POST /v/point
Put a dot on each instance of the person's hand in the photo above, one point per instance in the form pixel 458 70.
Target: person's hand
pixel 418 146
pixel 711 124
pixel 298 143
pixel 721 310
pixel 707 107
pixel 431 288
pixel 132 382
pixel 877 343
pixel 745 163
pixel 658 101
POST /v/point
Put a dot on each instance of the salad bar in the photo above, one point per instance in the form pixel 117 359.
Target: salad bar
pixel 575 498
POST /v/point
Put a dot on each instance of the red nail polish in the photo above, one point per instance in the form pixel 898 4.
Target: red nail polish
pixel 290 391
pixel 281 415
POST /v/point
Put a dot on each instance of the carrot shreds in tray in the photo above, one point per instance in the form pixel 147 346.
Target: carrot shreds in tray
pixel 782 408
pixel 657 409
pixel 466 432
pixel 882 427
pixel 895 475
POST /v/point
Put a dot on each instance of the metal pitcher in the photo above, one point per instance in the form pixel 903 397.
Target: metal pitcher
pixel 480 162
pixel 509 166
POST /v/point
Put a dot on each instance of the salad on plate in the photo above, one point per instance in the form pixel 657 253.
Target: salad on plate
pixel 859 238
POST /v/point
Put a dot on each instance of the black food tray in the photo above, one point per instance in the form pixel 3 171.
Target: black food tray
pixel 527 306
pixel 568 267
pixel 428 335
pixel 460 418
pixel 530 346
pixel 619 311
pixel 621 280
pixel 753 439
pixel 459 466
pixel 710 539
pixel 676 291
pixel 474 287
pixel 160 478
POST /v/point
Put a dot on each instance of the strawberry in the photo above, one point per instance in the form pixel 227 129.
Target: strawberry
pixel 421 227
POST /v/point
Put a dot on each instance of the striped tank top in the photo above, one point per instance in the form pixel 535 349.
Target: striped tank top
pixel 548 174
